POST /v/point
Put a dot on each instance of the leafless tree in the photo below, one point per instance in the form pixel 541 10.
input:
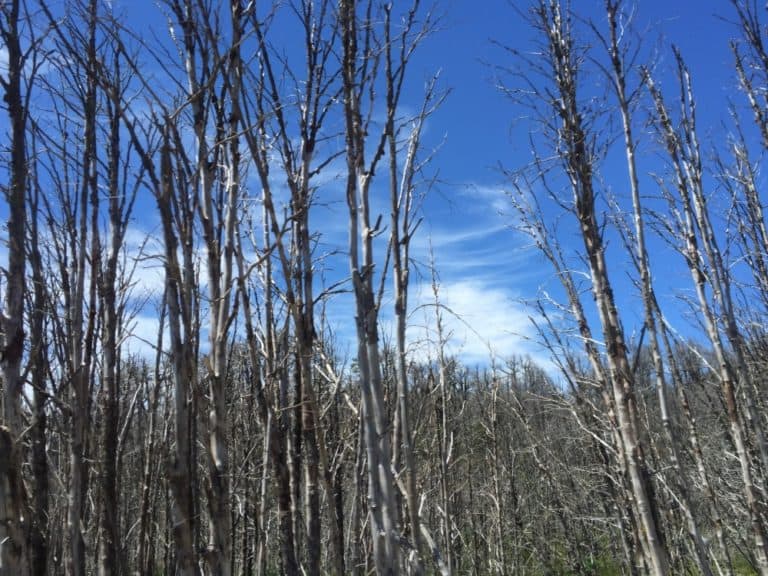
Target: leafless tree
pixel 73 220
pixel 578 152
pixel 626 99
pixel 709 271
pixel 362 46
pixel 242 439
pixel 13 559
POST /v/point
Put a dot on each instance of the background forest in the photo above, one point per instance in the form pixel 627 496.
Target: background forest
pixel 295 407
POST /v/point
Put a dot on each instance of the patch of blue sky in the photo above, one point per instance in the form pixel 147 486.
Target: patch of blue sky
pixel 486 269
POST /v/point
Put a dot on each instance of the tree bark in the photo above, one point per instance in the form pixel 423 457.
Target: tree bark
pixel 13 555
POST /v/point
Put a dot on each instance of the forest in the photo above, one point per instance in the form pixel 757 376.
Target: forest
pixel 280 417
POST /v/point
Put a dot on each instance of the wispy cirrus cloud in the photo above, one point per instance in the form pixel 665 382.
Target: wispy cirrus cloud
pixel 480 322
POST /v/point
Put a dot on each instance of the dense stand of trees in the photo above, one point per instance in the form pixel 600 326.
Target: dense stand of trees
pixel 241 440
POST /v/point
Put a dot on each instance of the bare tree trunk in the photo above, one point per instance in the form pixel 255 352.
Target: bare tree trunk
pixel 180 295
pixel 403 227
pixel 271 413
pixel 642 262
pixel 358 72
pixel 39 529
pixel 144 557
pixel 380 481
pixel 121 196
pixel 578 164
pixel 13 555
pixel 445 438
pixel 82 320
pixel 498 498
pixel 295 253
pixel 218 220
pixel 357 559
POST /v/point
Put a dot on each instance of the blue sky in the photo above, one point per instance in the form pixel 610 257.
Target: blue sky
pixel 485 269
pixel 489 269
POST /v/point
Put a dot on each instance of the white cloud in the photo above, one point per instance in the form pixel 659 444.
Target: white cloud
pixel 495 197
pixel 445 238
pixel 3 61
pixel 149 278
pixel 141 337
pixel 144 251
pixel 480 321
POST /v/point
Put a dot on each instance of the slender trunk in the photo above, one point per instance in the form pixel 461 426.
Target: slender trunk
pixel 578 165
pixel 445 437
pixel 305 342
pixel 144 558
pixel 497 491
pixel 374 414
pixel 179 295
pixel 402 229
pixel 38 535
pixel 13 555
pixel 336 488
pixel 281 454
pixel 310 461
pixel 261 520
pixel 357 560
pixel 110 560
pixel 647 291
pixel 82 320
pixel 109 553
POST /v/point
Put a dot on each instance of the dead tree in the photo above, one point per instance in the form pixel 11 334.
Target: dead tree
pixel 691 221
pixel 177 208
pixel 72 213
pixel 357 59
pixel 214 172
pixel 120 197
pixel 13 556
pixel 625 97
pixel 404 197
pixel 292 125
pixel 577 156
pixel 39 363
